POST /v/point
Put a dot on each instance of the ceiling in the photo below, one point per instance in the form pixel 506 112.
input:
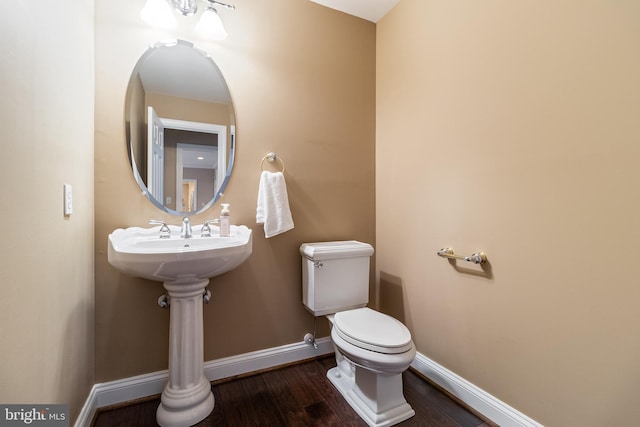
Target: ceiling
pixel 371 10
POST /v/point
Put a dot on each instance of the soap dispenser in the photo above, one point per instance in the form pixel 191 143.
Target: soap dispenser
pixel 225 221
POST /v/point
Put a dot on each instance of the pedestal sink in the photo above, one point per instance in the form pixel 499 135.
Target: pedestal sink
pixel 184 265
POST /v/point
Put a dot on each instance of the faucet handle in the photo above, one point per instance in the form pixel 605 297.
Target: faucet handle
pixel 206 227
pixel 165 232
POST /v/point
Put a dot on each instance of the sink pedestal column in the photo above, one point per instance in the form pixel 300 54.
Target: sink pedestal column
pixel 187 398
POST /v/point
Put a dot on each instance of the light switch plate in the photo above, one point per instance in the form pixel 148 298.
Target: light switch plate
pixel 68 200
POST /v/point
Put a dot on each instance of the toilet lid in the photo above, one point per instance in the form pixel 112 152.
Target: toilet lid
pixel 371 330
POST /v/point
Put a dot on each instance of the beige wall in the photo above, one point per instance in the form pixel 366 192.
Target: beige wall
pixel 512 128
pixel 302 78
pixel 46 259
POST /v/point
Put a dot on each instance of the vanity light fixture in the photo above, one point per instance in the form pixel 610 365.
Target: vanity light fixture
pixel 158 13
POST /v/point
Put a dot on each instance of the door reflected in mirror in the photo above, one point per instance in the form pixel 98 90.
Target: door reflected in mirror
pixel 180 126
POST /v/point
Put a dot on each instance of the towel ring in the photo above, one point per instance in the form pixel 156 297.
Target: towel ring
pixel 271 157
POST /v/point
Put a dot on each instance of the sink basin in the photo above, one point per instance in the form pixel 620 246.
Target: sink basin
pixel 185 267
pixel 141 252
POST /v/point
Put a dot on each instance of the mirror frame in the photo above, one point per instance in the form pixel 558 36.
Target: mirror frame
pixel 219 192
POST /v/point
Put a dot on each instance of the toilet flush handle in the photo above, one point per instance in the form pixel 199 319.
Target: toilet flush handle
pixel 318 264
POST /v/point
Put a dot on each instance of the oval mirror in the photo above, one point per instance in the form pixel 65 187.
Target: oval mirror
pixel 180 126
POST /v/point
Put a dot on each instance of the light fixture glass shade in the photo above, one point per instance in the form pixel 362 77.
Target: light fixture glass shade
pixel 158 13
pixel 210 25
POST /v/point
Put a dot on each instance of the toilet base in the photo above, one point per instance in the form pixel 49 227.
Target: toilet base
pixel 377 398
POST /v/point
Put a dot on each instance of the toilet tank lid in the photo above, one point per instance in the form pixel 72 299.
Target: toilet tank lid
pixel 332 250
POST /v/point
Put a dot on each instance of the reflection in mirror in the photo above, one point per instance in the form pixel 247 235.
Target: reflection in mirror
pixel 180 126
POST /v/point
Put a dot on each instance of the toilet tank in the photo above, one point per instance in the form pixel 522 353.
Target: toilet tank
pixel 335 276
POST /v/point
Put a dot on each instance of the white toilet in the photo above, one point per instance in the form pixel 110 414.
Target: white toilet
pixel 372 349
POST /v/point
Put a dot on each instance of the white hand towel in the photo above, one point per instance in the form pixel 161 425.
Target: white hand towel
pixel 273 204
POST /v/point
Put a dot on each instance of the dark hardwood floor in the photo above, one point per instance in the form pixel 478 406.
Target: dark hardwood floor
pixel 297 395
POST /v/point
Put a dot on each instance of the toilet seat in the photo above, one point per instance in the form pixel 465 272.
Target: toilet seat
pixel 372 330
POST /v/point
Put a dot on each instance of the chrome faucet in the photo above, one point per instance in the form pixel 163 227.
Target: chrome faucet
pixel 186 228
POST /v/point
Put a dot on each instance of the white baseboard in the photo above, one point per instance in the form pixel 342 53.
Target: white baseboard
pixel 476 398
pixel 119 391
pixel 264 359
pixel 88 410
